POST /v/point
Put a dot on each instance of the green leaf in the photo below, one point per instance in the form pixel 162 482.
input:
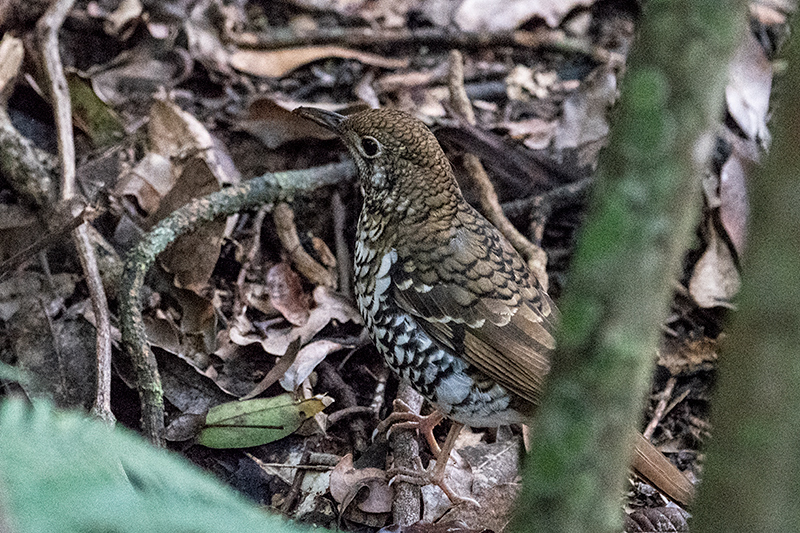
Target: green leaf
pixel 92 114
pixel 256 422
pixel 61 471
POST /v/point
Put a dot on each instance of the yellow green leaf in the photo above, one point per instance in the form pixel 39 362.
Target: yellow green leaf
pixel 255 422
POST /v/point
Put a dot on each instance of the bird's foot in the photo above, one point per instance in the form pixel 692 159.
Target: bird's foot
pixel 403 418
pixel 430 476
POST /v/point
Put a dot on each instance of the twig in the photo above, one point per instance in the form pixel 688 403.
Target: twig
pixel 356 410
pixel 250 257
pixel 490 204
pixel 407 505
pixel 47 30
pixel 544 39
pixel 331 380
pixel 343 259
pixel 661 408
pixel 265 189
pixel 287 233
pixel 297 482
pixel 97 295
pixel 541 207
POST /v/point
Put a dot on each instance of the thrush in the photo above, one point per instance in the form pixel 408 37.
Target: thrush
pixel 447 301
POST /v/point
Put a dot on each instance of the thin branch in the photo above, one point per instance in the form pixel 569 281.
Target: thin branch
pixel 490 204
pixel 302 260
pixel 343 259
pixel 266 189
pixel 47 29
pixel 407 504
pixel 661 408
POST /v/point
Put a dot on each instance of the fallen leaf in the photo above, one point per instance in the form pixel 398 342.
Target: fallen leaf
pixel 306 361
pixel 330 306
pixel 174 133
pixel 11 54
pixel 504 15
pixel 275 373
pixel 202 35
pixel 749 87
pixel 256 422
pixel 585 113
pixel 346 481
pixel 522 83
pixel 286 294
pixel 273 124
pixel 93 116
pixel 689 356
pixel 715 279
pixel 127 11
pixel 534 133
pixel 734 206
pixel 191 257
pixel 149 181
pixel 278 63
pixel 139 73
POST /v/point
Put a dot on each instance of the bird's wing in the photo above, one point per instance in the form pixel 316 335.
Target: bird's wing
pixel 474 295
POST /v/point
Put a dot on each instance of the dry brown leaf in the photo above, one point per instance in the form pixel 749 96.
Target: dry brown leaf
pixel 192 257
pixel 715 279
pixel 534 133
pixel 306 361
pixel 689 356
pixel 330 306
pixel 198 165
pixel 149 181
pixel 346 481
pixel 523 83
pixel 127 11
pixel 273 124
pixel 192 337
pixel 734 207
pixel 203 37
pixel 585 113
pixel 179 136
pixel 139 72
pixel 174 133
pixel 278 63
pixel 749 87
pixel 11 54
pixel 504 15
pixel 286 294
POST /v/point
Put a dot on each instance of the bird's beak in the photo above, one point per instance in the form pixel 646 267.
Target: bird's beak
pixel 326 119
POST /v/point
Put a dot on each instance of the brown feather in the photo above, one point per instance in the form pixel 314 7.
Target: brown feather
pixel 503 328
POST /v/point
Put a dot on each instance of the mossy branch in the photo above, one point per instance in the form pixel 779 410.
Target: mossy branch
pixel 266 189
pixel 645 208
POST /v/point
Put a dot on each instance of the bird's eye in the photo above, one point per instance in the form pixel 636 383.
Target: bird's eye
pixel 370 147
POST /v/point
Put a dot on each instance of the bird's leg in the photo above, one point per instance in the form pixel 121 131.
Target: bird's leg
pixel 403 418
pixel 436 476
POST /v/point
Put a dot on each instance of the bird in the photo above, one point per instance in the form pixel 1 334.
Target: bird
pixel 446 299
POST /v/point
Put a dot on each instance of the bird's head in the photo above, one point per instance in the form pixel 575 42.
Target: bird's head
pixel 401 166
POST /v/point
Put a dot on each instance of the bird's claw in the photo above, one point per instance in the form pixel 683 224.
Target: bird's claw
pixel 428 477
pixel 403 418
